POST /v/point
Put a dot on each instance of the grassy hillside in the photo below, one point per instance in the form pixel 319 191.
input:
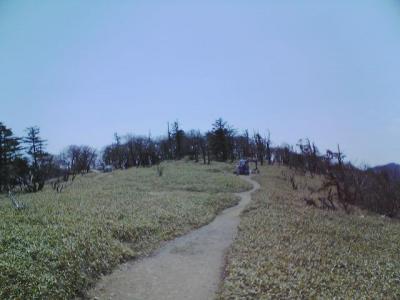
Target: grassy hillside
pixel 286 249
pixel 58 245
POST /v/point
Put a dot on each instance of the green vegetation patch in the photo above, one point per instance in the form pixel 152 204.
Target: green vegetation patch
pixel 59 244
pixel 285 249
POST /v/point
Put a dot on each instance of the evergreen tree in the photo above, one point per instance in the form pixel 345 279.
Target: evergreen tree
pixel 9 156
pixel 41 161
pixel 178 137
pixel 221 140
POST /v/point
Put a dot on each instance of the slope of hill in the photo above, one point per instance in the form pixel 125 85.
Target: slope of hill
pixel 287 249
pixel 59 244
pixel 392 169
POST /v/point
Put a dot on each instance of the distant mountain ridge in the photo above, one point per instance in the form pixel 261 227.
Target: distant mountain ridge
pixel 392 169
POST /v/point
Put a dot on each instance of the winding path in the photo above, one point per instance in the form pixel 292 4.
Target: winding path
pixel 188 267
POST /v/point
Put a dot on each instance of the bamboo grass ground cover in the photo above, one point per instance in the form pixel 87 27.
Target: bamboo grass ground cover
pixel 60 244
pixel 286 249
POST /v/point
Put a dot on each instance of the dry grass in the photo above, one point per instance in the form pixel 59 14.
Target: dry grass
pixel 59 244
pixel 287 249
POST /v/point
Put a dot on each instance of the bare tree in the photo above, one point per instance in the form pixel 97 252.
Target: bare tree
pixel 268 151
pixel 260 147
pixel 194 140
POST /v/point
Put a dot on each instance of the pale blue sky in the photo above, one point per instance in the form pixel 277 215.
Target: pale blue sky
pixel 327 70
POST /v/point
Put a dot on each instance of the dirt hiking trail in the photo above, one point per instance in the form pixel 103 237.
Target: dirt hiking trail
pixel 188 267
